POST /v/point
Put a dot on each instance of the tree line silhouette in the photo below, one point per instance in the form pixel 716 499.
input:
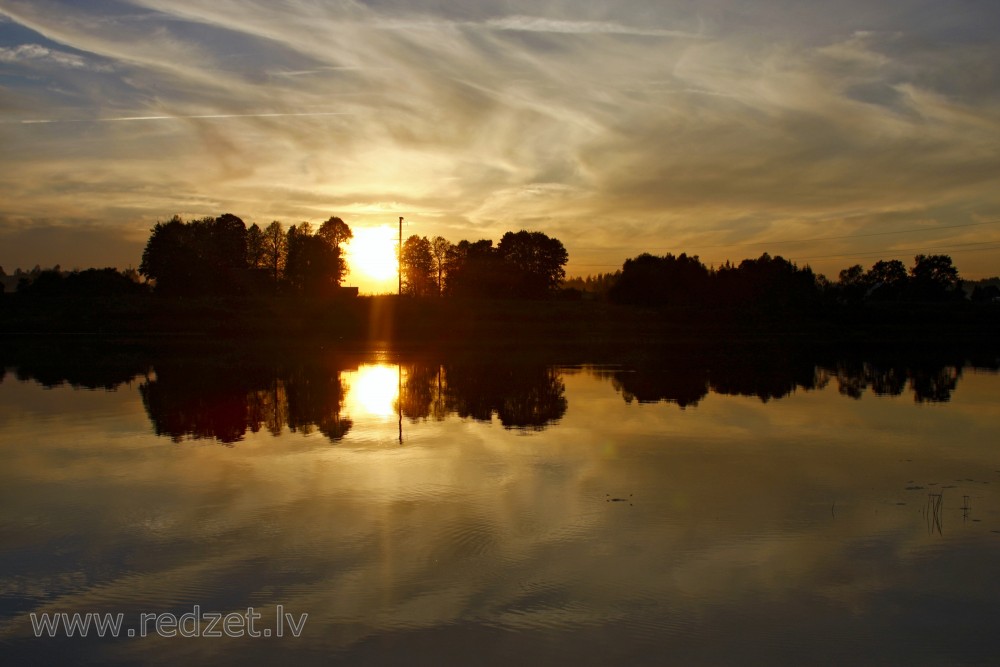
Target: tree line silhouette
pixel 217 276
pixel 775 284
pixel 223 256
pixel 523 265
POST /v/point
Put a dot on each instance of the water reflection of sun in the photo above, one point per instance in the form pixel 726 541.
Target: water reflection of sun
pixel 373 389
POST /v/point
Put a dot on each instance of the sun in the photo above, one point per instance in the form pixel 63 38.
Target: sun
pixel 372 252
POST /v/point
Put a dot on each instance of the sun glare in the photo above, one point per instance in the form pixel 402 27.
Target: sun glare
pixel 372 252
pixel 374 389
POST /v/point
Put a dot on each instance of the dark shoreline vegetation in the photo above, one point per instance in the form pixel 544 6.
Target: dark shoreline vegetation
pixel 215 278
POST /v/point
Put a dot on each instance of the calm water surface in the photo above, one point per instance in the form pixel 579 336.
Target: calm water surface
pixel 498 512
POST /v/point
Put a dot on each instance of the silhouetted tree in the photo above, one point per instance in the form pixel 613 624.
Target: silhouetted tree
pixel 852 284
pixel 83 285
pixel 533 263
pixel 935 278
pixel 275 252
pixel 168 256
pixel 887 280
pixel 766 284
pixel 417 266
pixel 440 247
pixel 255 247
pixel 648 280
pixel 313 266
pixel 336 233
pixel 226 240
pixel 200 256
pixel 474 270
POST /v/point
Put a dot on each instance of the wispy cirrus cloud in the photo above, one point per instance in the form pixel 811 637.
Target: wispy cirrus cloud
pixel 676 126
pixel 35 53
pixel 522 23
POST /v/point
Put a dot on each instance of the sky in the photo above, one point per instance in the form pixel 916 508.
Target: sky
pixel 829 133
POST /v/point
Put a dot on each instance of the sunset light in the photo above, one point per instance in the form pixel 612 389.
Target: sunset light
pixel 834 135
pixel 372 253
pixel 573 332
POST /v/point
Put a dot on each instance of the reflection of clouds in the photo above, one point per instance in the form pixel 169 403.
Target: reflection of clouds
pixel 471 525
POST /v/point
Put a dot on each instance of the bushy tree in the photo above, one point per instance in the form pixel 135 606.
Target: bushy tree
pixel 169 257
pixel 201 256
pixel 474 269
pixel 935 278
pixel 313 266
pixel 335 232
pixel 533 262
pixel 648 280
pixel 887 280
pixel 765 284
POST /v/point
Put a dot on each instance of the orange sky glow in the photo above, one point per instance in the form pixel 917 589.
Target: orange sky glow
pixel 833 135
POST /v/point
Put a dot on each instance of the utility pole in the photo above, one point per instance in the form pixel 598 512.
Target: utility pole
pixel 399 258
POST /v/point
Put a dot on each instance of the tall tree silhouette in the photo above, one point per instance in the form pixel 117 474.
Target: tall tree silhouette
pixel 313 264
pixel 417 265
pixel 255 247
pixel 275 250
pixel 440 247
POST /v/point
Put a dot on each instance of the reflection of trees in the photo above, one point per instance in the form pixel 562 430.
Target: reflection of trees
pixel 686 379
pixel 932 385
pixel 521 396
pixel 197 400
pixel 199 396
pixel 766 377
pixel 212 401
pixel 422 394
pixel 84 367
pixel 930 382
pixel 683 386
